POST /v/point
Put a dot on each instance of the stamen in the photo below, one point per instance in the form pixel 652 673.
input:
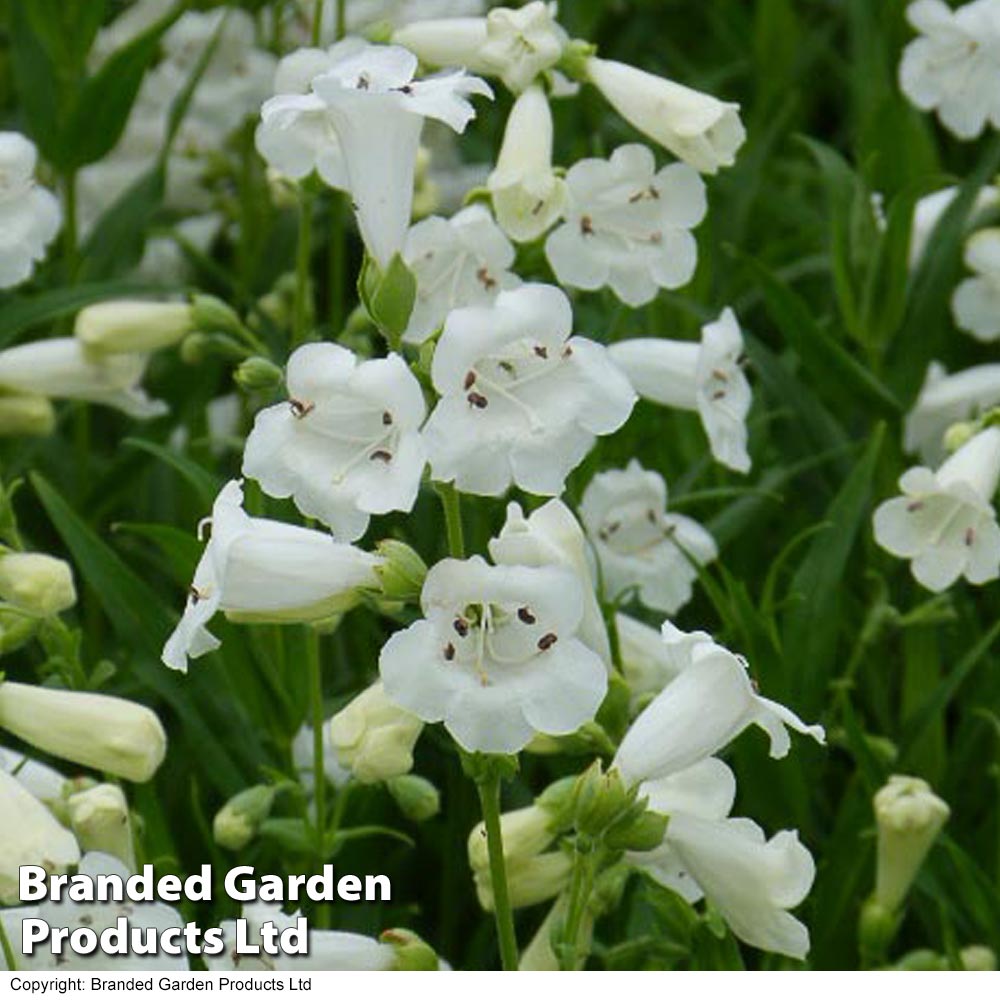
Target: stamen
pixel 477 400
pixel 912 508
pixel 539 205
pixel 567 351
pixel 386 419
pixel 300 409
pixel 363 82
pixel 636 197
pixel 651 516
pixel 195 594
pixel 381 455
pixel 507 367
pixel 541 351
pixel 470 380
pixel 719 394
pixel 449 652
pixel 547 641
pixel 486 279
pixel 970 536
pixel 720 375
pixel 525 615
pixel 587 225
pixel 461 626
pixel 653 193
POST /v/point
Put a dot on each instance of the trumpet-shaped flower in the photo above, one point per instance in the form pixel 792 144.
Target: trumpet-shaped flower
pixel 638 544
pixel 63 369
pixel 346 445
pixel 945 400
pixel 697 128
pixel 29 215
pixel 496 656
pixel 707 378
pixel 101 820
pixel 461 261
pixel 975 303
pixel 257 569
pixel 45 783
pixel 528 197
pixel 369 100
pixel 552 536
pixel 29 835
pixel 521 400
pixel 628 226
pixel 945 522
pixel 124 327
pixel 648 662
pixel 953 67
pixel 709 703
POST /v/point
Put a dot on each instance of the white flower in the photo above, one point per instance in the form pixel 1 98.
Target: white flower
pixel 945 400
pixel 347 443
pixel 628 226
pixel 99 731
pixel 648 662
pixel 44 782
pixel 36 584
pixel 528 197
pixel 514 44
pixel 302 758
pixel 697 128
pixel 496 656
pixel 707 378
pixel 709 703
pixel 29 835
pixel 370 101
pixel 521 400
pixel 29 215
pixel 99 917
pixel 373 737
pixel 257 569
pixel 125 326
pixel 62 368
pixel 928 211
pixel 975 303
pixel 552 536
pixel 461 261
pixel 101 820
pixel 953 68
pixel 638 544
pixel 945 522
pixel 909 817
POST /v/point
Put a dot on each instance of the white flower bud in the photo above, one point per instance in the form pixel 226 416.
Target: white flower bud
pixel 45 783
pixel 133 327
pixel 101 821
pixel 36 584
pixel 978 958
pixel 909 817
pixel 29 835
pixel 237 822
pixel 93 730
pixel 525 833
pixel 26 415
pixel 374 737
pixel 529 881
pixel 416 797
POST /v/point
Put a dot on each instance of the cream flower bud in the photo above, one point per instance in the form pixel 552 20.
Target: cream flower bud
pixel 528 197
pixel 36 584
pixel 93 730
pixel 909 817
pixel 26 415
pixel 237 822
pixel 529 881
pixel 697 128
pixel 525 833
pixel 374 737
pixel 132 327
pixel 416 797
pixel 101 821
pixel 29 835
pixel 446 41
pixel 44 782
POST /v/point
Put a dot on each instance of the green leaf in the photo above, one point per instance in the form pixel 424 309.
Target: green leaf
pixel 36 72
pixel 205 483
pixel 388 295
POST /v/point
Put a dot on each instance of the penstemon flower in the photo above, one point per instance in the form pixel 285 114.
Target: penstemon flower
pixel 975 303
pixel 497 656
pixel 638 544
pixel 36 584
pixel 953 67
pixel 707 378
pixel 45 783
pixel 30 216
pixel 256 569
pixel 521 400
pixel 650 662
pixel 62 368
pixel 346 444
pixel 368 98
pixel 528 196
pixel 628 226
pixel 461 261
pixel 945 522
pixel 697 128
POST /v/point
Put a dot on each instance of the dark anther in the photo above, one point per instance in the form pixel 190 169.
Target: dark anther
pixel 656 238
pixel 300 409
pixel 539 205
pixel 507 367
pixel 363 82
pixel 635 197
pixel 381 455
pixel 651 516
pixel 970 536
pixel 567 351
pixel 541 351
pixel 477 400
pixel 526 616
pixel 486 279
pixel 470 380
pixel 386 419
pixel 547 641
pixel 719 394
pixel 406 89
pixel 194 594
pixel 587 225
pixel 653 193
pixel 461 626
pixel 913 507
pixel 449 652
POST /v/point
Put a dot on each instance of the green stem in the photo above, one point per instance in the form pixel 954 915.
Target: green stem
pixel 70 238
pixel 319 770
pixel 302 260
pixel 452 505
pixel 580 886
pixel 317 22
pixel 489 798
pixel 338 248
pixel 341 18
pixel 8 951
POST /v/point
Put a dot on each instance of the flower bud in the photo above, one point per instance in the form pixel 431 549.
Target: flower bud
pixel 978 958
pixel 36 584
pixel 101 821
pixel 29 835
pixel 401 571
pixel 93 730
pixel 45 783
pixel 258 375
pixel 238 821
pixel 129 327
pixel 599 800
pixel 412 953
pixel 958 434
pixel 416 797
pixel 211 315
pixel 388 295
pixel 373 737
pixel 525 832
pixel 26 415
pixel 529 881
pixel 909 817
pixel 15 629
pixel 590 738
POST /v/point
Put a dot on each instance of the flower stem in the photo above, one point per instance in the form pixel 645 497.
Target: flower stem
pixel 580 887
pixel 6 949
pixel 319 770
pixel 451 503
pixel 341 18
pixel 317 23
pixel 489 797
pixel 302 260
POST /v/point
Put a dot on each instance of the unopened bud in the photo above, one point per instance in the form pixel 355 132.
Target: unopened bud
pixel 416 797
pixel 401 571
pixel 212 315
pixel 978 958
pixel 258 375
pixel 129 327
pixel 101 821
pixel 238 821
pixel 412 953
pixel 198 347
pixel 600 799
pixel 36 584
pixel 525 833
pixel 388 295
pixel 529 881
pixel 24 416
pixel 958 434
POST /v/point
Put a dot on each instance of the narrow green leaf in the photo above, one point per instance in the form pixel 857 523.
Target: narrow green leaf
pixel 205 484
